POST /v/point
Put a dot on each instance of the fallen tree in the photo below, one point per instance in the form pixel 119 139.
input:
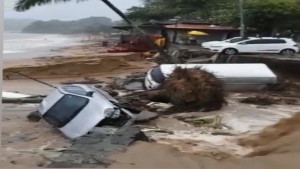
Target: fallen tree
pixel 191 89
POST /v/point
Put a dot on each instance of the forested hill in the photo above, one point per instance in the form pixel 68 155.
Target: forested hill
pixel 92 25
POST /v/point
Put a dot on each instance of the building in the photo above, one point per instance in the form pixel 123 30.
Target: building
pixel 174 31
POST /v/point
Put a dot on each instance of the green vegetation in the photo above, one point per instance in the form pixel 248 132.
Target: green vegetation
pixel 264 15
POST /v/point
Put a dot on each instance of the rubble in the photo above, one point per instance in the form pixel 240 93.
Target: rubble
pixel 87 80
pixel 259 100
pixel 133 82
pixel 34 116
pixel 93 149
pixel 214 121
pixel 268 99
pixel 145 116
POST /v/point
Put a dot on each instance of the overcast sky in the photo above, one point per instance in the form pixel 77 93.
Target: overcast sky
pixel 70 10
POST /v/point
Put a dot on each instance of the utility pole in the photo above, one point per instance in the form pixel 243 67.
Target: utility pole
pixel 242 24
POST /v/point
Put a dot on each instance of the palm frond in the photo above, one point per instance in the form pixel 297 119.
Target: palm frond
pixel 23 5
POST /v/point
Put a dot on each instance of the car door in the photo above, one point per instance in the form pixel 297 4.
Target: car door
pixel 272 45
pixel 249 46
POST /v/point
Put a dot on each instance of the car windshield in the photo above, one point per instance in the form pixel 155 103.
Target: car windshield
pixel 75 90
pixel 65 110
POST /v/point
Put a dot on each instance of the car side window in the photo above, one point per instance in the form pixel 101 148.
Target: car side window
pixel 275 41
pixel 65 110
pixel 254 42
pixel 266 41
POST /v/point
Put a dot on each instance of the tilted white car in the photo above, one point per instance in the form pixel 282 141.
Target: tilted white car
pixel 284 46
pixel 76 109
pixel 231 40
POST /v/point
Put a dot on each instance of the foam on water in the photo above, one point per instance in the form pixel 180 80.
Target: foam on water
pixel 22 43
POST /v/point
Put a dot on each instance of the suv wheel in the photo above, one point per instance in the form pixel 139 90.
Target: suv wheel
pixel 230 51
pixel 288 52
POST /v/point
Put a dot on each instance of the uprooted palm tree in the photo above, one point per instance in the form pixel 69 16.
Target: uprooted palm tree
pixel 23 5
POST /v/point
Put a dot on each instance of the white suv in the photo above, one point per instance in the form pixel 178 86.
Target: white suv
pixel 207 45
pixel 282 46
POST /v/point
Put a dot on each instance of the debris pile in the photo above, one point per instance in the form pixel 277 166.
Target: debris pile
pixel 138 44
pixel 192 89
pixel 87 80
pixel 265 100
pixel 259 100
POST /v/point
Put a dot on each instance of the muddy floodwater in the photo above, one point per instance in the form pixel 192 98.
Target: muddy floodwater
pixel 227 138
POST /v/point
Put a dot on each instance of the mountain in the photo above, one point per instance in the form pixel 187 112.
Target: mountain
pixel 16 25
pixel 92 25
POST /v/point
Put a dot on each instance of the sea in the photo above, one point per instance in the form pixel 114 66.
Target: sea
pixel 24 45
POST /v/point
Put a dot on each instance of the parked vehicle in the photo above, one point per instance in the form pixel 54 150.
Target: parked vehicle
pixel 236 77
pixel 284 46
pixel 231 40
pixel 76 109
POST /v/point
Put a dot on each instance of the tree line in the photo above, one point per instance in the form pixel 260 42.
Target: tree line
pixel 271 16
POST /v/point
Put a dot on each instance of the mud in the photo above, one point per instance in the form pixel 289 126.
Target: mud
pixel 278 138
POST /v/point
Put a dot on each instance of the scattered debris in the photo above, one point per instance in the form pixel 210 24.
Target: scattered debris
pixel 92 150
pixel 87 80
pixel 34 116
pixel 265 100
pixel 22 100
pixel 214 121
pixel 145 116
pixel 160 106
pixel 260 100
pixel 133 82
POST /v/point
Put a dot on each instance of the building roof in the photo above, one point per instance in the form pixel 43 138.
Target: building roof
pixel 199 27
pixel 143 26
pixel 181 26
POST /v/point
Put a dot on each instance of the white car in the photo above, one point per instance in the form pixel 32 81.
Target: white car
pixel 236 77
pixel 76 109
pixel 231 40
pixel 284 46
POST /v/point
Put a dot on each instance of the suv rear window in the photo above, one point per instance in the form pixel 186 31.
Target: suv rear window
pixel 65 110
pixel 266 41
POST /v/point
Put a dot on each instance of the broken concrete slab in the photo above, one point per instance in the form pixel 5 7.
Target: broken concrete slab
pixel 22 100
pixel 92 150
pixel 145 116
pixel 134 86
